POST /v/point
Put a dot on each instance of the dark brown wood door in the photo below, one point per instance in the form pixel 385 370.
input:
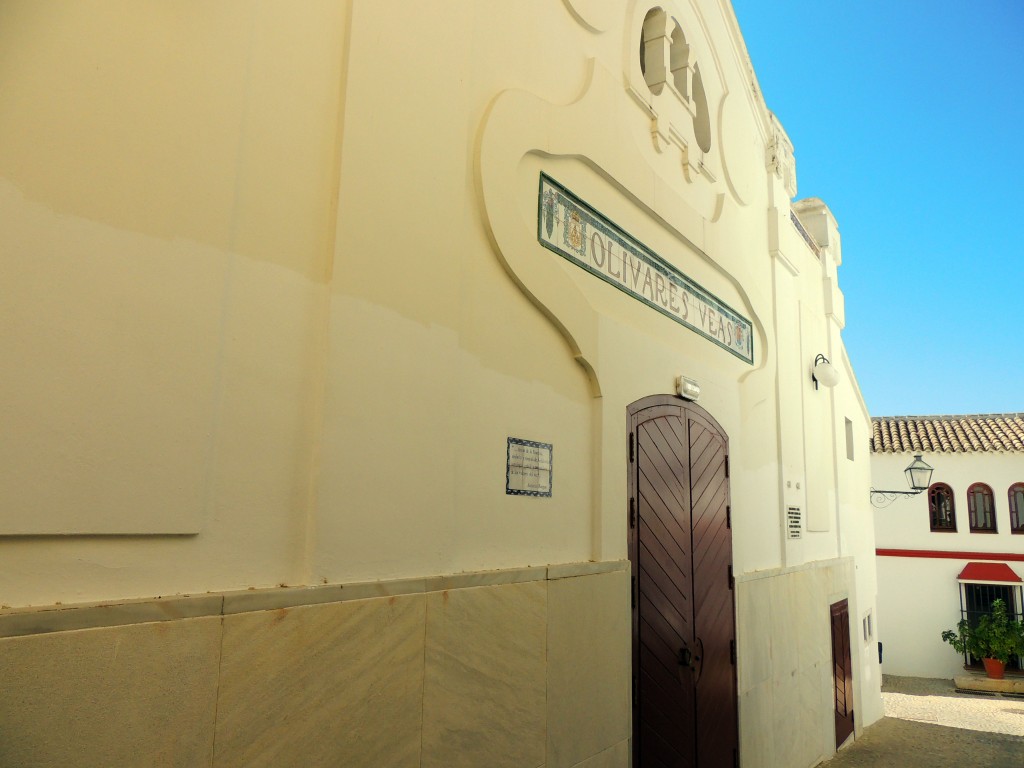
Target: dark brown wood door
pixel 684 704
pixel 717 728
pixel 842 671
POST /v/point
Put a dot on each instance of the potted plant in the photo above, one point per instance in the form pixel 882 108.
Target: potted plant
pixel 994 639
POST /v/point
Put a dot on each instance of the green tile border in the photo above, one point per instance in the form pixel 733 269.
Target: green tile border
pixel 551 190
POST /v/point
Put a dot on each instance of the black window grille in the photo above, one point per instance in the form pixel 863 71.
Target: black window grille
pixel 976 601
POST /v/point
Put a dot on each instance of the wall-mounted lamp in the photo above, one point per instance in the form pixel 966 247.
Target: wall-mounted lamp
pixel 688 389
pixel 824 373
pixel 919 477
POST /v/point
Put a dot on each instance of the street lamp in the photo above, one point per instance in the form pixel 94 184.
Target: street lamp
pixel 919 478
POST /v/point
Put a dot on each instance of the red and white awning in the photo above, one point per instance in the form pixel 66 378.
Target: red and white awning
pixel 988 573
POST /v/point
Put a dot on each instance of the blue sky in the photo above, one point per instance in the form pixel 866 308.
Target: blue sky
pixel 907 119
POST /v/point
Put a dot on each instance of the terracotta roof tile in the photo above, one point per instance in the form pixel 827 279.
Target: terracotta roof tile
pixel 948 434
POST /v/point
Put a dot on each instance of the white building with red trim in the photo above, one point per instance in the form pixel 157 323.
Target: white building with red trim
pixel 954 548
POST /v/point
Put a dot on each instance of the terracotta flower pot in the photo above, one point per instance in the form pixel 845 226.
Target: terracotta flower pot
pixel 994 668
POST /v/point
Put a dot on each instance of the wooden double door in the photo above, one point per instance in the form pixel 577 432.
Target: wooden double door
pixel 684 646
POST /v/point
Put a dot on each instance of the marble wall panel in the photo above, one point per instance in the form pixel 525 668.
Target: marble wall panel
pixel 333 684
pixel 116 697
pixel 810 588
pixel 589 666
pixel 814 591
pixel 757 737
pixel 817 713
pixel 785 665
pixel 787 720
pixel 753 608
pixel 484 687
pixel 616 756
pixel 785 626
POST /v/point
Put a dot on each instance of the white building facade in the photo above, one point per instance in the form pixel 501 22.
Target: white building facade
pixel 954 548
pixel 343 343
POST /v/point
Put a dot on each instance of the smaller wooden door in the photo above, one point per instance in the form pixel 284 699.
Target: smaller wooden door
pixel 842 671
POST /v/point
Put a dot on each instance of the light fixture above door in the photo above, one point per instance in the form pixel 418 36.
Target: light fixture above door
pixel 824 372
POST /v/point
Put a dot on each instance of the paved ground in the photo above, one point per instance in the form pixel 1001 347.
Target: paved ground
pixel 928 724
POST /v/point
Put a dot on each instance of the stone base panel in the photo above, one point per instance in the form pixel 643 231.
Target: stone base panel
pixel 784 646
pixel 527 668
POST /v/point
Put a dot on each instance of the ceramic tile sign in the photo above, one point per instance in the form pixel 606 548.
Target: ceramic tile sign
pixel 578 233
pixel 528 468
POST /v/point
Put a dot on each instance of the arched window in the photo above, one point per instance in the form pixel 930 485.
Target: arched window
pixel 981 508
pixel 1016 494
pixel 940 507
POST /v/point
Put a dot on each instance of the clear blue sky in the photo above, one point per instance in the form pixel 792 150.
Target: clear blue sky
pixel 907 119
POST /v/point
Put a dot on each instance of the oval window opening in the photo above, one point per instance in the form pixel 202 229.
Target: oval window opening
pixel 702 120
pixel 679 53
pixel 652 54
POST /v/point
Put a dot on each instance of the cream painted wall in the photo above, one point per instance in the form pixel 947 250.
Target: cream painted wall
pixel 248 256
pixel 167 193
pixel 277 302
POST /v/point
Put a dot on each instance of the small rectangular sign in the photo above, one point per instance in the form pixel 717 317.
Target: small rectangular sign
pixel 578 233
pixel 528 468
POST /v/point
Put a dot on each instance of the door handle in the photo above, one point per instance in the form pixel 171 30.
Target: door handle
pixel 687 659
pixel 698 665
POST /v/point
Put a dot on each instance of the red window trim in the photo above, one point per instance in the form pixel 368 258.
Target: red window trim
pixel 950 555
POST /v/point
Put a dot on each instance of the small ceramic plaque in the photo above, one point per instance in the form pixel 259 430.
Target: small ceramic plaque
pixel 528 468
